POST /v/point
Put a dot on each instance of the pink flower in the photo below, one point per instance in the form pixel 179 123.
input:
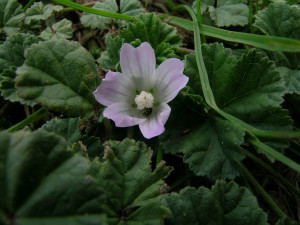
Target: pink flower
pixel 139 95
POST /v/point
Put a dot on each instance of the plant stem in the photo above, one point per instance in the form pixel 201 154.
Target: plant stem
pixel 199 18
pixel 130 132
pixel 171 5
pixel 210 100
pixel 262 192
pixel 28 4
pixel 256 6
pixel 107 127
pixel 159 156
pixel 278 156
pixel 177 183
pixel 250 16
pixel 94 11
pixel 271 170
pixel 42 112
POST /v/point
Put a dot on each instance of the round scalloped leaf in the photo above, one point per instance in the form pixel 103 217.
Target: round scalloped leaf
pixel 230 13
pixel 249 88
pixel 100 22
pixel 132 188
pixel 291 79
pixel 39 11
pixel 69 129
pixel 280 19
pixel 41 181
pixel 12 50
pixel 151 30
pixel 7 87
pixel 212 149
pixel 161 36
pixel 11 16
pixel 225 203
pixel 59 74
pixel 61 29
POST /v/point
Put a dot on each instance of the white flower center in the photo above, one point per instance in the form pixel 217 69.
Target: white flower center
pixel 144 100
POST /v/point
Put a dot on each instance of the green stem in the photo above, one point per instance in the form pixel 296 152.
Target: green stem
pixel 199 18
pixel 209 98
pixel 271 43
pixel 262 192
pixel 208 95
pixel 130 132
pixel 256 6
pixel 250 16
pixel 159 156
pixel 271 170
pixel 28 4
pixel 107 127
pixel 32 118
pixel 94 11
pixel 180 181
pixel 278 156
pixel 171 5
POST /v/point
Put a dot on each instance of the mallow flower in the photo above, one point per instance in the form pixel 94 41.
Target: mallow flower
pixel 139 95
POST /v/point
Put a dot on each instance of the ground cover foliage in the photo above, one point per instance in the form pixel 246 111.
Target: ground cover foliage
pixel 230 152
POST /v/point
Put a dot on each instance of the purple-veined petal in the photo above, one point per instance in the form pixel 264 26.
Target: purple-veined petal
pixel 139 64
pixel 123 114
pixel 169 79
pixel 114 88
pixel 154 125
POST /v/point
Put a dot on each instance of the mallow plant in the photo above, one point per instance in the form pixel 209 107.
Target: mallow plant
pixel 149 112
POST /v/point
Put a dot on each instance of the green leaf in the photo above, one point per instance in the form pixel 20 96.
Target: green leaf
pixel 7 87
pixel 162 37
pixel 291 79
pixel 61 29
pixel 130 8
pixel 256 93
pixel 254 97
pixel 181 121
pixel 212 149
pixel 205 4
pixel 127 7
pixel 225 203
pixel 11 16
pixel 38 11
pixel 230 13
pixel 151 30
pixel 133 190
pixel 41 181
pixel 69 129
pixel 271 43
pixel 99 22
pixel 12 50
pixel 280 19
pixel 59 74
pixel 12 56
pixel 110 58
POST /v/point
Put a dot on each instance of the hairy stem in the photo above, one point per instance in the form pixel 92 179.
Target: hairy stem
pixel 42 112
pixel 262 192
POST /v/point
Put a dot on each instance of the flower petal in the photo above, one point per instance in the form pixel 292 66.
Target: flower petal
pixel 154 125
pixel 169 80
pixel 115 87
pixel 123 115
pixel 139 63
